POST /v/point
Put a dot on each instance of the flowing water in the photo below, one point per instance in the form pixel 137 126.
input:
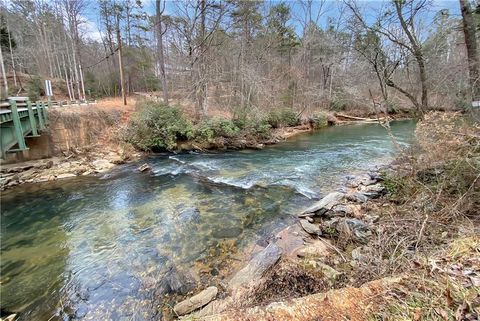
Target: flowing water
pixel 94 248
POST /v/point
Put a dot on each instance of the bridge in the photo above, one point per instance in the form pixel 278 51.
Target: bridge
pixel 20 118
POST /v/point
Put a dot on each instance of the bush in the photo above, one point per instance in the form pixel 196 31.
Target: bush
pixel 319 120
pixel 283 117
pixel 258 127
pixel 216 127
pixel 156 126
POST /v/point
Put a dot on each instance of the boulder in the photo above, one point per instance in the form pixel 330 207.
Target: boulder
pixel 257 266
pixel 325 203
pixel 197 301
pixel 144 167
pixel 310 228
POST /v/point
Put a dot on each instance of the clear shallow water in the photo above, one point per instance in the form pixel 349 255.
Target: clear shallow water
pixel 94 248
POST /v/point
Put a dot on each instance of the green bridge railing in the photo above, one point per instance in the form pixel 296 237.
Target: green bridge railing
pixel 20 118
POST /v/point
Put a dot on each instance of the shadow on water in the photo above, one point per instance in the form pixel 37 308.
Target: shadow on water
pixel 94 248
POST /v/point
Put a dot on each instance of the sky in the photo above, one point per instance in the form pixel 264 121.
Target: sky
pixel 330 12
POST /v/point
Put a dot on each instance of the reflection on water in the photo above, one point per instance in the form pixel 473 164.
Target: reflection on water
pixel 95 249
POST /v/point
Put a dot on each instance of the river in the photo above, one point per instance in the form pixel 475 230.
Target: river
pixel 94 248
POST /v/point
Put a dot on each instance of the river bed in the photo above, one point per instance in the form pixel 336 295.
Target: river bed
pixel 95 248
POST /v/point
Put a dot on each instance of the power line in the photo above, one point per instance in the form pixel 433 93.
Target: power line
pixel 102 60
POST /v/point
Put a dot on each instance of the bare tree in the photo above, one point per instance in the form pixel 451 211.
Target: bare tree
pixel 160 50
pixel 472 52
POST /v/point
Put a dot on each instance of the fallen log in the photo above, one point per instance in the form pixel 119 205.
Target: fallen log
pixel 359 118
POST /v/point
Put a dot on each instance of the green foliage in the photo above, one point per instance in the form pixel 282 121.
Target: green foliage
pixel 34 88
pixel 283 117
pixel 258 127
pixel 216 127
pixel 158 127
pixel 339 102
pixel 319 120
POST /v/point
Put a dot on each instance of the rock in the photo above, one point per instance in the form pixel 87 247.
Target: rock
pixel 66 175
pixel 354 227
pixel 374 191
pixel 310 228
pixel 356 181
pixel 340 210
pixel 327 271
pixel 102 164
pixel 317 248
pixel 175 282
pixel 325 203
pixel 49 164
pixel 189 215
pixel 144 167
pixel 357 254
pixel 20 168
pixel 197 301
pixel 11 317
pixel 227 232
pixel 257 266
pixel 357 197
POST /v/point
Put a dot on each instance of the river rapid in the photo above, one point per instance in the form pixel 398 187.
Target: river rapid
pixel 96 248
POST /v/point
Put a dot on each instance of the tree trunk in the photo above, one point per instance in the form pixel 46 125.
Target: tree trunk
pixel 160 53
pixel 472 52
pixel 120 62
pixel 418 54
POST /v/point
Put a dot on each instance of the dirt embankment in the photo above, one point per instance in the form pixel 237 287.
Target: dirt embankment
pixel 79 141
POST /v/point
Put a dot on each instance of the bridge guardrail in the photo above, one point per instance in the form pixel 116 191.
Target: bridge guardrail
pixel 20 118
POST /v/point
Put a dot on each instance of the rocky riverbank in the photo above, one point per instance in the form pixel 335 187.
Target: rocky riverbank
pixel 55 168
pixel 295 251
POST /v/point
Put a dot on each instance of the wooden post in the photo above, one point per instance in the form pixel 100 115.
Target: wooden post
pixel 18 125
pixel 31 116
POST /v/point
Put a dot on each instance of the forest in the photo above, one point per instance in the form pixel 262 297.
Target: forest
pixel 235 55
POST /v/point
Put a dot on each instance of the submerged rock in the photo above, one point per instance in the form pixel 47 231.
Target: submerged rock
pixel 227 232
pixel 175 282
pixel 197 301
pixel 189 215
pixel 324 204
pixel 310 228
pixel 257 266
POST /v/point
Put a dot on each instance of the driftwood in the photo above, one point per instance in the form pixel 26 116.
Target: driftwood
pixel 360 118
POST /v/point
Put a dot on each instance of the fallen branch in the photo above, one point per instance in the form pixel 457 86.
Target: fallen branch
pixel 359 118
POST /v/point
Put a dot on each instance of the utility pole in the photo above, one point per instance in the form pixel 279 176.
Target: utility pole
pixel 4 76
pixel 120 62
